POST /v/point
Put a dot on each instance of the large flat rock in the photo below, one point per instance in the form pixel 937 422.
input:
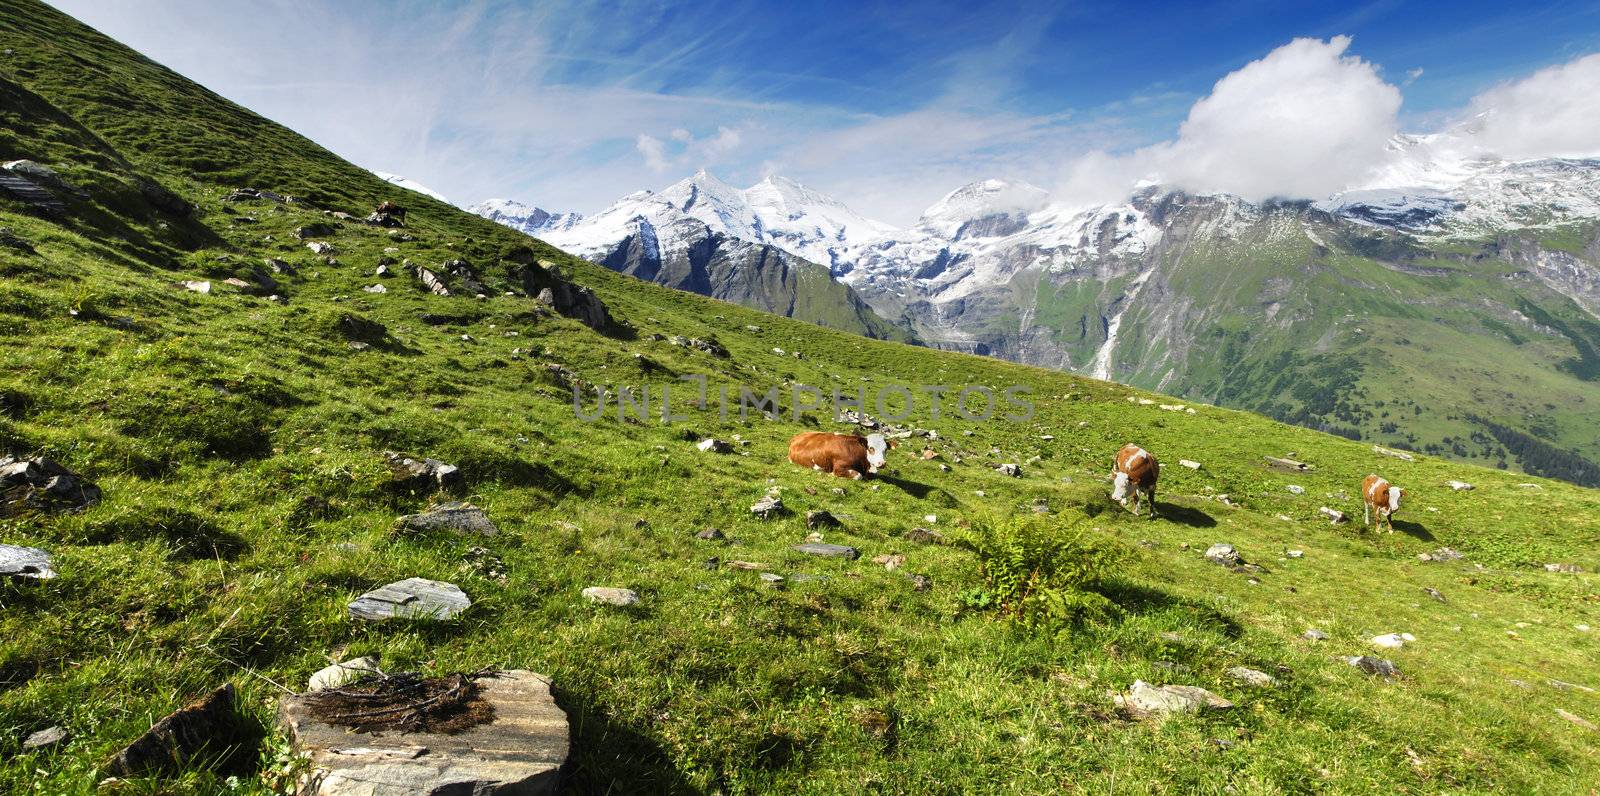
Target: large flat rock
pixel 412 598
pixel 519 753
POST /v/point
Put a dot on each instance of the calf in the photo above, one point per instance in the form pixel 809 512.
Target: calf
pixel 1137 470
pixel 844 455
pixel 1381 498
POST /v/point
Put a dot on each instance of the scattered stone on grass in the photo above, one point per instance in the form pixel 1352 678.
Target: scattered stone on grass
pixel 1401 455
pixel 771 580
pixel 342 674
pixel 422 474
pixel 711 535
pixel 890 561
pixel 821 519
pixel 509 737
pixel 1434 593
pixel 207 725
pixel 44 739
pixel 1576 719
pixel 1459 486
pixel 1295 553
pixel 711 445
pixel 1569 568
pixel 1145 700
pixel 1288 464
pixel 20 562
pixel 1380 667
pixel 461 519
pixel 1008 469
pixel 1334 516
pixel 1296 489
pixel 1392 641
pixel 1314 635
pixel 1251 677
pixel 751 565
pixel 412 598
pixel 1562 685
pixel 1442 554
pixel 827 550
pixel 1189 463
pixel 924 536
pixel 920 582
pixel 1223 554
pixel 41 484
pixel 611 596
pixel 767 507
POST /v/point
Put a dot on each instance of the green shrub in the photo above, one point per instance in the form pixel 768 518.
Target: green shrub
pixel 1042 571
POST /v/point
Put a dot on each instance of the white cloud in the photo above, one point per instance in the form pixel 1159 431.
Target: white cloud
pixel 654 151
pixel 1303 122
pixel 1554 112
pixel 726 140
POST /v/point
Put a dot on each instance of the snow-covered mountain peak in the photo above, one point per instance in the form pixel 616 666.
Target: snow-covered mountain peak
pixel 411 185
pixel 524 217
pixel 983 209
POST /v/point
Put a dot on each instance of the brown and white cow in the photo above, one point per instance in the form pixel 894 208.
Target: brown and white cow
pixel 1135 470
pixel 844 455
pixel 1381 498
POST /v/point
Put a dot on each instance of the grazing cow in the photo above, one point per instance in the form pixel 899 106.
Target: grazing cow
pixel 844 455
pixel 1136 470
pixel 1381 498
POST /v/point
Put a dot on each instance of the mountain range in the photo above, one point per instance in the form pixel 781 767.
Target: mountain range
pixel 1451 306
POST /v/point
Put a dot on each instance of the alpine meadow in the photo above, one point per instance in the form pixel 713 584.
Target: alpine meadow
pixel 302 491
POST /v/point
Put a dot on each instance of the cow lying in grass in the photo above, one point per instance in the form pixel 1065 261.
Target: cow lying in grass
pixel 1379 497
pixel 1135 471
pixel 844 455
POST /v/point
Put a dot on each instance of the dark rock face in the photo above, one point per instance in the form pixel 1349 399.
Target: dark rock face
pixel 466 275
pixel 164 200
pixel 315 231
pixel 354 327
pixel 752 274
pixel 42 485
pixel 208 725
pixel 570 300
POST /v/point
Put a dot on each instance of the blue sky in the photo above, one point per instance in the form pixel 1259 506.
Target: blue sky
pixel 571 105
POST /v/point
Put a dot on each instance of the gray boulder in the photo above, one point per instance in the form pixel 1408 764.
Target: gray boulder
pixel 461 519
pixel 1223 554
pixel 567 299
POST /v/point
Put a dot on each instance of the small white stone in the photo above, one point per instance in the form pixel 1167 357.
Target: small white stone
pixel 342 674
pixel 611 596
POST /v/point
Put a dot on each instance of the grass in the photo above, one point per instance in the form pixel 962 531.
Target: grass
pixel 238 442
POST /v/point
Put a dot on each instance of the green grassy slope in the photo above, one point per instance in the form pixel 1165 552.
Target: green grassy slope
pixel 238 441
